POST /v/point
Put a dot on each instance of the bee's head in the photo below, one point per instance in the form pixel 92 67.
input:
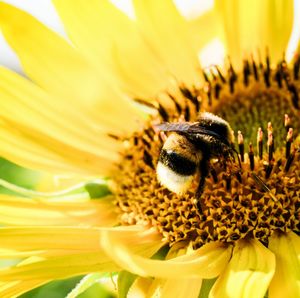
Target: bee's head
pixel 178 163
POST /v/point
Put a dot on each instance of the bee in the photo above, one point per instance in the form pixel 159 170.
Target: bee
pixel 188 150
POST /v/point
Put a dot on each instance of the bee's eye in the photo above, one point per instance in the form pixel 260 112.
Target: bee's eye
pixel 177 162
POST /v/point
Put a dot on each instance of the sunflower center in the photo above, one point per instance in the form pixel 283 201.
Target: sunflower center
pixel 261 104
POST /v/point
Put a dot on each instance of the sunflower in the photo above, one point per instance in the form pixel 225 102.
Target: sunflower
pixel 88 109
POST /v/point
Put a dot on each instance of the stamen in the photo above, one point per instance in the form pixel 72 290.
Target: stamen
pixel 287 122
pixel 248 201
pixel 278 76
pixel 294 94
pixel 207 90
pixel 228 182
pixel 115 137
pixel 220 74
pixel 205 77
pixel 268 60
pixel 251 156
pixel 260 135
pixel 270 144
pixel 145 103
pixel 232 77
pixel 270 128
pixel 188 94
pixel 267 71
pixel 246 72
pixel 289 139
pixel 163 112
pixel 177 105
pixel 296 67
pixel 187 112
pixel 269 168
pixel 217 85
pixel 255 71
pixel 241 145
pixel 289 161
pixel 148 159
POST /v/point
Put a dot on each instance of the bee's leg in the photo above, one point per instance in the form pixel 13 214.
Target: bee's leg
pixel 203 174
pixel 200 189
pixel 238 157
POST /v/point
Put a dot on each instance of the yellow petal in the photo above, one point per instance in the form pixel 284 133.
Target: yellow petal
pixel 12 254
pixel 168 34
pixel 113 43
pixel 248 274
pixel 165 288
pixel 78 259
pixel 21 211
pixel 47 238
pixel 210 27
pixel 48 154
pixel 251 25
pixel 30 118
pixel 179 287
pixel 47 58
pixel 43 238
pixel 63 71
pixel 59 267
pixel 140 288
pixel 206 262
pixel 24 152
pixel 286 281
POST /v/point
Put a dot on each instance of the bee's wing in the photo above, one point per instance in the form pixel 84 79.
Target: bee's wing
pixel 175 127
pixel 190 129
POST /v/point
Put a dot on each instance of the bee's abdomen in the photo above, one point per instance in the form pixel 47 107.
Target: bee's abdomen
pixel 177 163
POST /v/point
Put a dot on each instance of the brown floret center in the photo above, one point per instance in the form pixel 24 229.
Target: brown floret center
pixel 263 197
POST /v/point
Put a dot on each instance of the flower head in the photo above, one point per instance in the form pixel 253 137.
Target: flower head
pixel 92 110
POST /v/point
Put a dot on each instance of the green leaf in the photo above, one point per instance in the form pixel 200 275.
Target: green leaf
pixel 85 283
pixel 97 190
pixel 161 253
pixel 125 280
pixel 206 287
pixel 17 175
pixel 97 291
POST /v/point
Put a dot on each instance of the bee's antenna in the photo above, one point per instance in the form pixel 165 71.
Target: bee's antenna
pixel 200 188
pixel 237 154
pixel 238 157
pixel 264 186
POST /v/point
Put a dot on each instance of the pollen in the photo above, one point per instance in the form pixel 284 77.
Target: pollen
pixel 262 105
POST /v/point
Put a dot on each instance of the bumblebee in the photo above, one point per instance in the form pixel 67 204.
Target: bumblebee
pixel 188 150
